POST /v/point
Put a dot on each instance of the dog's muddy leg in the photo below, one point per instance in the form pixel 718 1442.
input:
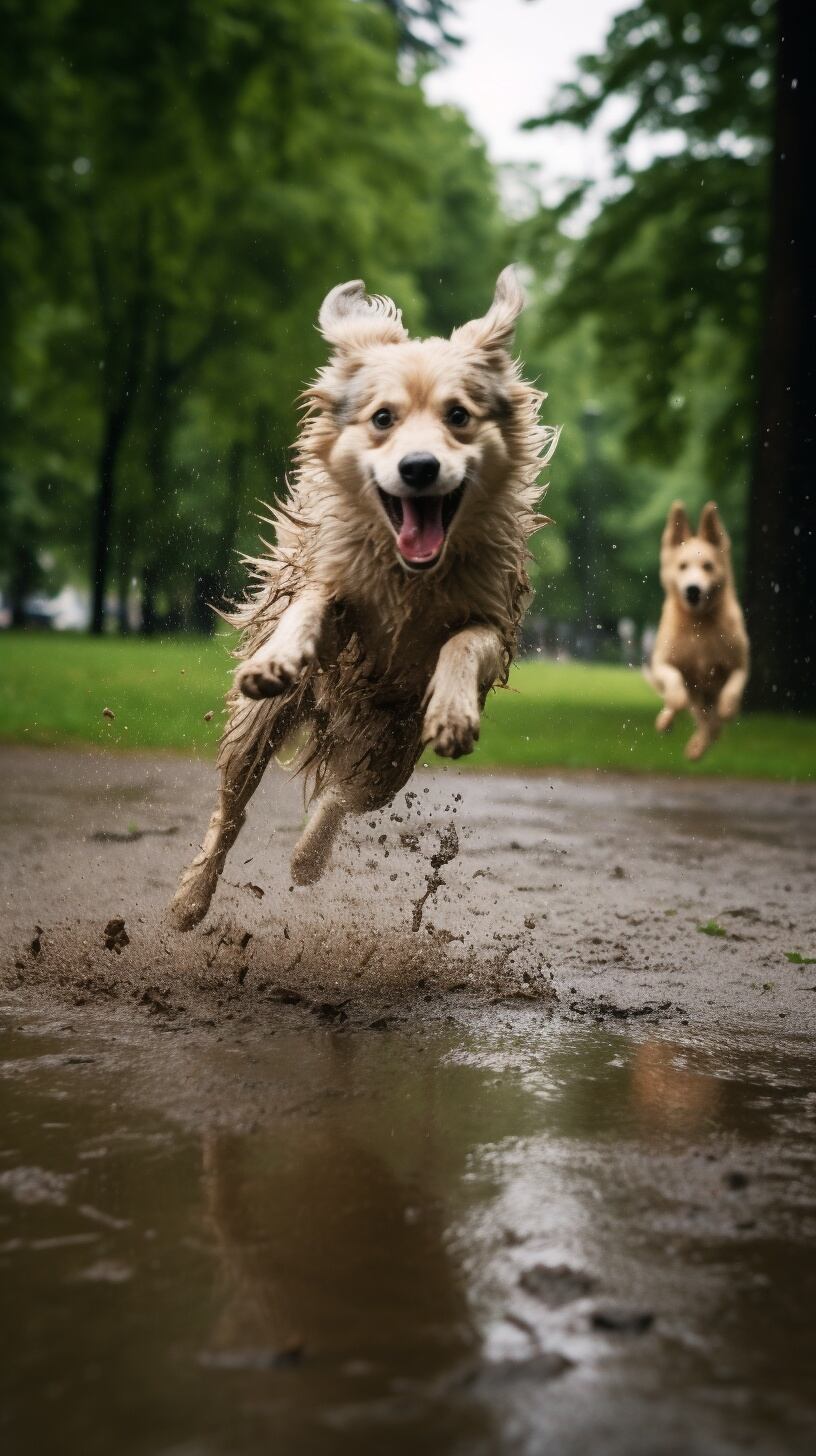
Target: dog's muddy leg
pixel 281 661
pixel 466 668
pixel 728 703
pixel 311 853
pixel 253 734
pixel 362 777
pixel 708 731
pixel 668 682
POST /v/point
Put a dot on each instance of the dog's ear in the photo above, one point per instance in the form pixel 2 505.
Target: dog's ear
pixel 350 319
pixel 678 526
pixel 494 332
pixel 711 528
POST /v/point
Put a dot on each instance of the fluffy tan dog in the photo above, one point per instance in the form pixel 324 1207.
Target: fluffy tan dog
pixel 700 658
pixel 390 603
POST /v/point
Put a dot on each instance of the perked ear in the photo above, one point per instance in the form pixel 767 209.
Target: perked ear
pixel 711 528
pixel 350 319
pixel 494 332
pixel 678 527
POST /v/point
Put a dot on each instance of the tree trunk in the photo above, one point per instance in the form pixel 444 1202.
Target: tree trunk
pixel 115 428
pixel 781 560
pixel 119 405
pixel 157 459
pixel 24 577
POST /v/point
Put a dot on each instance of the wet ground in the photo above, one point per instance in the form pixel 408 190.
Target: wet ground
pixel 539 1175
pixel 467 1240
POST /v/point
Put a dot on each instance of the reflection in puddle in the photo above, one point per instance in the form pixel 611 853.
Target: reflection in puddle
pixel 470 1242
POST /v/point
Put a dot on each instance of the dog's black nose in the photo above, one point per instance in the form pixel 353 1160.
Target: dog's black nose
pixel 419 470
pixel 693 595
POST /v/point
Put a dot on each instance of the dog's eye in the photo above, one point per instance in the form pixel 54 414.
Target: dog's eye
pixel 708 566
pixel 458 416
pixel 382 419
pixel 683 565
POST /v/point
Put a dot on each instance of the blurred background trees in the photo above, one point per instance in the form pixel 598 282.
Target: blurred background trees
pixel 182 184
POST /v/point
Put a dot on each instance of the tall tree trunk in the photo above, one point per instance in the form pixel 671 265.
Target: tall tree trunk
pixel 24 576
pixel 157 460
pixel 781 564
pixel 116 424
pixel 124 363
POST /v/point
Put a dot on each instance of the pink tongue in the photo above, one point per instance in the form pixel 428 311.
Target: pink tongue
pixel 421 534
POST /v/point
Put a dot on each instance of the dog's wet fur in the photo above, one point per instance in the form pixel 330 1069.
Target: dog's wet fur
pixel 701 655
pixel 390 602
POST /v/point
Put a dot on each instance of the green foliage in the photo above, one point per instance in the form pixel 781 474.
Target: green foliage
pixel 207 172
pixel 661 289
pixel 566 715
pixel 796 958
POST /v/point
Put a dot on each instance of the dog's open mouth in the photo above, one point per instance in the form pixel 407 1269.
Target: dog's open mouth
pixel 421 523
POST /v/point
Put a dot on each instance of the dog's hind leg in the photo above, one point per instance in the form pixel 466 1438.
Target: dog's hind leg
pixel 311 853
pixel 707 732
pixel 255 731
pixel 360 778
pixel 728 703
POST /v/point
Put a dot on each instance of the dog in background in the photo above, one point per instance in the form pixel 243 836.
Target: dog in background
pixel 390 602
pixel 700 658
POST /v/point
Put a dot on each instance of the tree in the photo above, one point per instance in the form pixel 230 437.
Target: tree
pixel 210 171
pixel 681 245
pixel 677 246
pixel 782 508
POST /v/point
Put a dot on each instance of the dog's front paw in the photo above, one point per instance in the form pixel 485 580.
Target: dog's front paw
pixel 664 720
pixel 728 704
pixel 450 729
pixel 677 699
pixel 267 675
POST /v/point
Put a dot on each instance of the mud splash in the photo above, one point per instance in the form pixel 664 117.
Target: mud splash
pixel 451 1239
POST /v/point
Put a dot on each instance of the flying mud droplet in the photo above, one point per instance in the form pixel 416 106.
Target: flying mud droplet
pixel 254 890
pixel 448 850
pixel 208 717
pixel 109 714
pixel 116 937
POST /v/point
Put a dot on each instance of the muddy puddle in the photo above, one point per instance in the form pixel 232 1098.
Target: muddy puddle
pixel 470 1238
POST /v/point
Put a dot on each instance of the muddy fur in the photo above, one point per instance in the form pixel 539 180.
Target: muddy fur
pixel 358 643
pixel 701 654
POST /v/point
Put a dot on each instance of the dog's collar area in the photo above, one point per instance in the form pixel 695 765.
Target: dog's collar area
pixel 420 524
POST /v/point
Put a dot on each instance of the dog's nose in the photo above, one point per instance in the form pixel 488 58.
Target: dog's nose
pixel 693 595
pixel 419 470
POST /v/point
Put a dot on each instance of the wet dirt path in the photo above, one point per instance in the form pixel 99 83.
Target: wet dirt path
pixel 591 888
pixel 537 1175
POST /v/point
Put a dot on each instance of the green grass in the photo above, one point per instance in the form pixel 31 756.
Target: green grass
pixel 55 688
pixel 580 716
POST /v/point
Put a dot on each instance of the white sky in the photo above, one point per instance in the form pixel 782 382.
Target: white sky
pixel 515 54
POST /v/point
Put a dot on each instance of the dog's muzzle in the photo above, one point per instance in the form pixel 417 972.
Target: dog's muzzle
pixel 421 522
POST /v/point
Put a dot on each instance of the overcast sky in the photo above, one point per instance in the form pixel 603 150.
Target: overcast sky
pixel 516 53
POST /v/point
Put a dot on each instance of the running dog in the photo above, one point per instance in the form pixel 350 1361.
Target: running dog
pixel 390 603
pixel 700 658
